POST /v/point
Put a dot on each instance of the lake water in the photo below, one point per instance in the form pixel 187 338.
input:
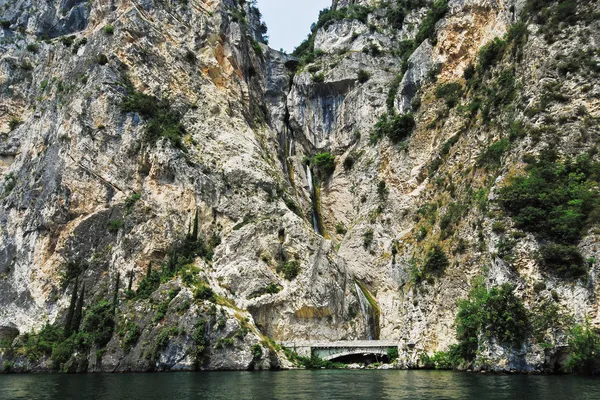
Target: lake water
pixel 320 384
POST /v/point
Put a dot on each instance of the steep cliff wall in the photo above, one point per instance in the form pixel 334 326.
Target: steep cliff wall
pixel 197 195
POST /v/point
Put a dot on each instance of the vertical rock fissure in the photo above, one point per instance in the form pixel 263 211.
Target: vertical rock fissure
pixel 313 199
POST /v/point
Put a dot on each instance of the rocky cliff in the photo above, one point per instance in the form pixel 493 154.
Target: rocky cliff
pixel 176 195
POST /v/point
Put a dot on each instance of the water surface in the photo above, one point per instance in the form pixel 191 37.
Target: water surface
pixel 320 384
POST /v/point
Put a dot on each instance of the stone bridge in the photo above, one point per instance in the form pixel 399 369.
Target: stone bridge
pixel 332 350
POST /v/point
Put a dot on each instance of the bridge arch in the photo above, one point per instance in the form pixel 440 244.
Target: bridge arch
pixel 334 353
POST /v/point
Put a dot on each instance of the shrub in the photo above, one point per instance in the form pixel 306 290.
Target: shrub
pixel 490 54
pixel 109 29
pixel 382 190
pixel 148 285
pixel 324 162
pixel 115 225
pixel 33 47
pixel 256 350
pixel 396 127
pixel 67 41
pixel 555 200
pixel 439 360
pixel 272 288
pixel 450 92
pixel 363 76
pixel 492 156
pixel 495 313
pixel 584 349
pixel 368 238
pixel 427 28
pixel 38 345
pixel 130 202
pixel 498 227
pixel 436 261
pixel 61 352
pixel 392 354
pixel 163 122
pixel 130 333
pixel 289 269
pixel 7 366
pixel 101 59
pixel 257 48
pixel 5 24
pixel 13 123
pixel 517 34
pixel 318 78
pixel 204 292
pixel 562 259
pixel 340 229
pixel 98 323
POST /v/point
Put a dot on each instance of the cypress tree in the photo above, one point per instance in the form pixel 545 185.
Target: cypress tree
pixel 130 284
pixel 70 312
pixel 78 311
pixel 116 293
pixel 195 227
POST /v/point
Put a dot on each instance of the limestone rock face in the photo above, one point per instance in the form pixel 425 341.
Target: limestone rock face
pixel 93 203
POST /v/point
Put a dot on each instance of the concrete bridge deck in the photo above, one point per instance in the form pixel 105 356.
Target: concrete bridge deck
pixel 333 350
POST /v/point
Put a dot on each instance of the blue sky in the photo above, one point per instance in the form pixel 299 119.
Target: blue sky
pixel 289 20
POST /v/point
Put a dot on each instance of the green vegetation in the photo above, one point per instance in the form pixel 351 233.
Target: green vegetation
pixel 109 29
pixel 392 354
pixel 10 181
pixel 101 59
pixel 368 238
pixel 4 24
pixel 397 10
pixel 204 292
pixel 496 313
pixel 67 41
pixel 162 121
pixel 584 348
pixel 257 48
pixel 312 362
pixel 256 352
pixel 115 225
pixel 51 341
pixel 289 269
pixel 98 323
pixel 131 201
pixel 340 229
pixel 427 28
pixel 490 54
pixel 318 78
pixel 492 156
pixel 555 200
pixel 13 123
pixel 7 366
pixel 563 260
pixel 33 48
pixel 181 256
pixel 395 126
pixel 129 333
pixel 436 261
pixel 363 76
pixel 450 92
pixel 450 220
pixel 439 360
pixel 324 163
pixel 271 288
